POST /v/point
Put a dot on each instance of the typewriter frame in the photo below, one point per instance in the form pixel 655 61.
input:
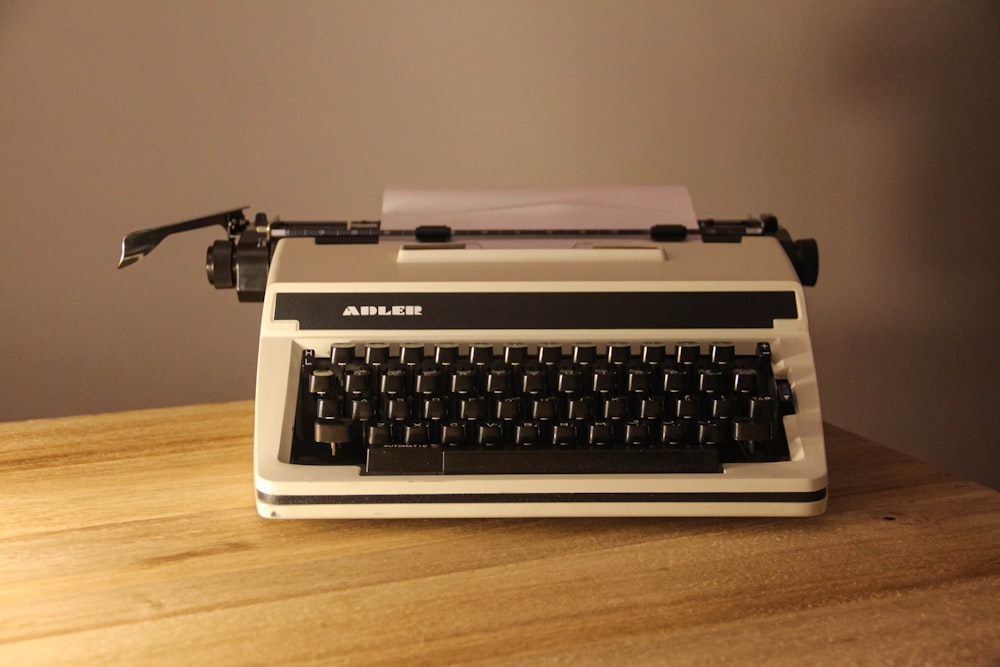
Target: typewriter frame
pixel 283 490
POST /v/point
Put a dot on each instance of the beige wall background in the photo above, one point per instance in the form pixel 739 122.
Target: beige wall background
pixel 869 126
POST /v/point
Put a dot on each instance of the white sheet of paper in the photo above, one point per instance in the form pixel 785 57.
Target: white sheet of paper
pixel 626 207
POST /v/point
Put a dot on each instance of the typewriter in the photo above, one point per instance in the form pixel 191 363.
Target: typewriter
pixel 595 352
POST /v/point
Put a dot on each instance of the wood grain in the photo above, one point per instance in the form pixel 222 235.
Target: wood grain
pixel 132 538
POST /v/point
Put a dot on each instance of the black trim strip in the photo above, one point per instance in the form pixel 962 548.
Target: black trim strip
pixel 473 498
pixel 536 310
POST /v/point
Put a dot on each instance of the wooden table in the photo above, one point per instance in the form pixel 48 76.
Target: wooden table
pixel 132 539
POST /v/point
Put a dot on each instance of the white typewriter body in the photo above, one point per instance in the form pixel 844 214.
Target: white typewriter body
pixel 397 292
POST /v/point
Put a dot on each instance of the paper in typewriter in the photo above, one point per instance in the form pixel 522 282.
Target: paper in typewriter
pixel 611 208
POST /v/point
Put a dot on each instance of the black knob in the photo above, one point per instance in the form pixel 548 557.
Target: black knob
pixel 356 382
pixel 471 408
pixel 578 408
pixel 636 432
pixel 321 381
pixel 549 353
pixel 426 381
pixel 327 407
pixel 463 381
pixel 723 353
pixel 376 353
pixel 563 434
pixel 488 434
pixel 508 408
pixel 614 408
pixel 599 433
pixel 760 408
pixel 584 353
pixel 618 353
pixel 533 380
pixel 434 408
pixel 394 381
pixel 446 353
pixel 396 408
pixel 453 434
pixel 480 353
pixel 687 353
pixel 568 380
pixel 342 353
pixel 710 432
pixel 805 259
pixel 673 380
pixel 497 381
pixel 672 432
pixel 543 408
pixel 637 380
pixel 219 265
pixel 526 434
pixel 379 435
pixel 653 353
pixel 332 431
pixel 745 380
pixel 709 380
pixel 650 408
pixel 515 354
pixel 415 434
pixel 361 409
pixel 603 380
pixel 411 353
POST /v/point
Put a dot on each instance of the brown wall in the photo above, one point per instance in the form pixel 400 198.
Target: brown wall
pixel 870 126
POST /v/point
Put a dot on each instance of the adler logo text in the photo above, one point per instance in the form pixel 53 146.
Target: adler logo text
pixel 383 311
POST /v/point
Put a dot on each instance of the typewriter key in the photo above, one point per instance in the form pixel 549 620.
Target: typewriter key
pixel 446 353
pixel 411 353
pixel 321 381
pixel 603 380
pixel 584 353
pixel 653 353
pixel 723 353
pixel 549 353
pixel 376 353
pixel 480 353
pixel 618 353
pixel 342 353
pixel 687 353
pixel 515 353
pixel 327 407
pixel 526 434
pixel 745 430
pixel 745 380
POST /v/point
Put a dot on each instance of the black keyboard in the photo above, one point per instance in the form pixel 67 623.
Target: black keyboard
pixel 544 408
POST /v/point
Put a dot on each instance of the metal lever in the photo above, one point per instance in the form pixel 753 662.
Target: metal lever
pixel 139 244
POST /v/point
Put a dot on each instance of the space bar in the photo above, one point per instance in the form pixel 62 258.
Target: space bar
pixel 402 461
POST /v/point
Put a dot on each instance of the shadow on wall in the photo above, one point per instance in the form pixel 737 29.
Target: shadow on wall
pixel 941 75
pixel 935 85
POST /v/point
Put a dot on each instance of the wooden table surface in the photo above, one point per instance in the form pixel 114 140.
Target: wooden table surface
pixel 132 538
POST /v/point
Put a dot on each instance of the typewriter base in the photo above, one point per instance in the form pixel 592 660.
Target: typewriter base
pixel 768 489
pixel 447 506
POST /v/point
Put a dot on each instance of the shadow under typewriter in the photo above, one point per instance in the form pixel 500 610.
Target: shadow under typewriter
pixel 515 409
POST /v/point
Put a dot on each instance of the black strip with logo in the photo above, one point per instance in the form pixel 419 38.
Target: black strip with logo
pixel 536 310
